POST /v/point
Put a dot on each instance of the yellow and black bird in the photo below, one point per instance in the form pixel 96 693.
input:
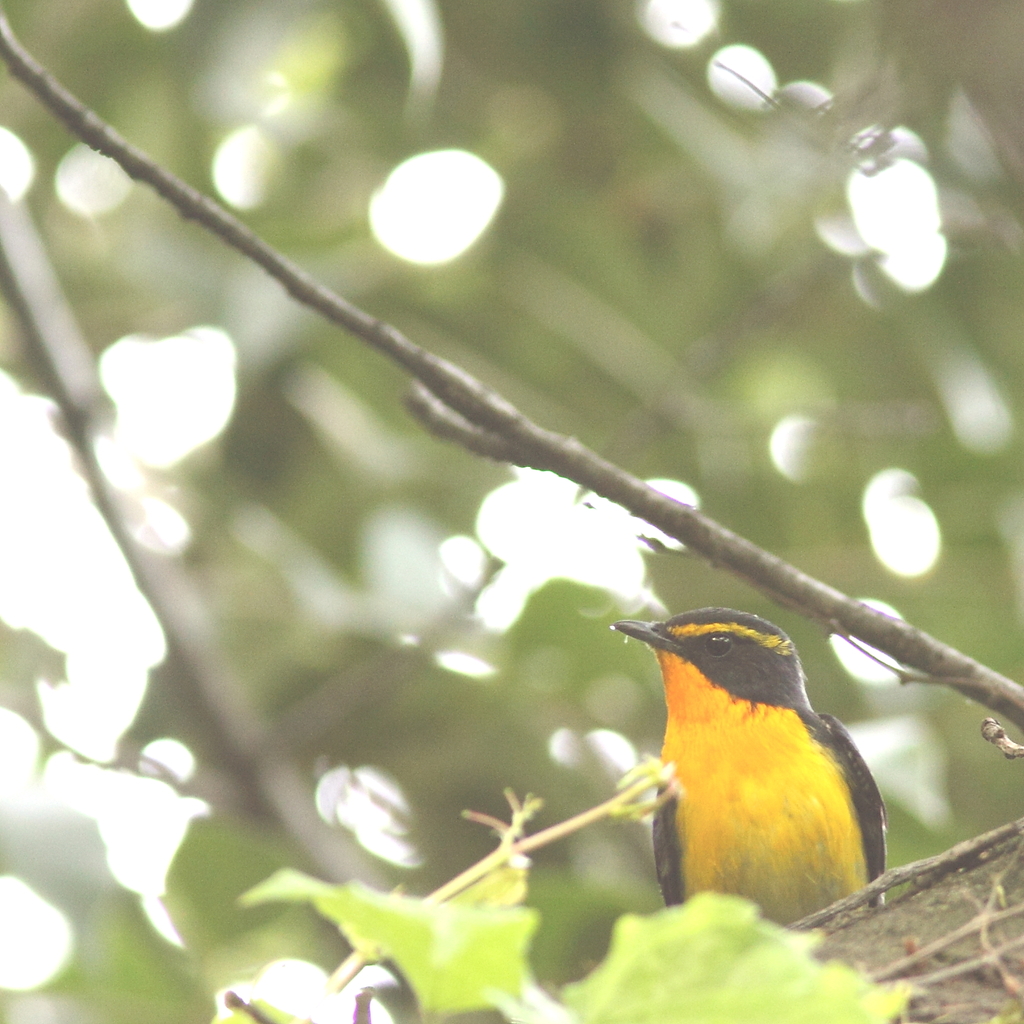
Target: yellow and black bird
pixel 777 803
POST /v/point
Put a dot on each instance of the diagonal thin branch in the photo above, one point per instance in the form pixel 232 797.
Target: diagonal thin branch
pixel 523 442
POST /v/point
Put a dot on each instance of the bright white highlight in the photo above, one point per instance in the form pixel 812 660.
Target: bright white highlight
pixel 840 234
pixel 678 491
pixel 896 211
pixel 172 395
pixel 419 24
pixel 141 821
pixel 613 750
pixel 35 937
pixel 863 662
pixel 564 748
pixel 464 664
pixel 295 986
pixel 464 560
pixel 159 917
pixel 340 1008
pixel 298 988
pixel 434 206
pixel 371 804
pixel 978 413
pixel 542 529
pixel 242 166
pixel 172 756
pixel 19 753
pixel 17 168
pixel 66 580
pixel 790 446
pixel 165 529
pixel 678 24
pixel 89 183
pixel 904 531
pixel 909 763
pixel 741 77
pixel 159 15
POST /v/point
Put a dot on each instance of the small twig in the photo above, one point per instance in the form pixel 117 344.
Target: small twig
pixel 978 924
pixel 447 425
pixel 361 1013
pixel 937 866
pixel 506 851
pixel 969 966
pixel 992 731
pixel 634 785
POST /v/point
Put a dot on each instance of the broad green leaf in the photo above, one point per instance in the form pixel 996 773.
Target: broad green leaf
pixel 290 885
pixel 714 961
pixel 454 955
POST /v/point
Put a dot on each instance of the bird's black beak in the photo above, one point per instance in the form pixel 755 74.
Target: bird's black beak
pixel 651 633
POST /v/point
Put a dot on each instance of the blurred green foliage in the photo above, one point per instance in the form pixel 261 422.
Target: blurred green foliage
pixel 654 285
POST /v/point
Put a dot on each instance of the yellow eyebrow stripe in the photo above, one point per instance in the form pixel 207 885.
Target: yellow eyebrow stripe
pixel 769 640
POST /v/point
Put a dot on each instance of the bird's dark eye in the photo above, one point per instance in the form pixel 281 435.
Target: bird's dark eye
pixel 718 644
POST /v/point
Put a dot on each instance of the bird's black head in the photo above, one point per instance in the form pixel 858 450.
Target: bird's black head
pixel 744 654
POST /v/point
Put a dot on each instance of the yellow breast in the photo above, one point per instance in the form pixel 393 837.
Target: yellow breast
pixel 766 812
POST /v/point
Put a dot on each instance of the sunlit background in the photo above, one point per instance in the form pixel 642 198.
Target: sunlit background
pixel 766 259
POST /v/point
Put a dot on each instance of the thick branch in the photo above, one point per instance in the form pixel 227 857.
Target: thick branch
pixel 491 425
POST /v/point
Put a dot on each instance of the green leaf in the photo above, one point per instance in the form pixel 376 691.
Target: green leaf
pixel 456 957
pixel 505 886
pixel 287 885
pixel 714 961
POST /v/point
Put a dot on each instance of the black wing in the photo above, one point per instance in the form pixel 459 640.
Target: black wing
pixel 867 801
pixel 668 852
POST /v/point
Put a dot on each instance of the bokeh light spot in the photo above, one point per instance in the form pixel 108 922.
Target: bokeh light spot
pixel 35 937
pixel 171 755
pixel 908 760
pixel 742 77
pixel 679 24
pixel 463 560
pixel 538 527
pixel 904 531
pixel 863 662
pixel 172 395
pixel 613 750
pixel 434 206
pixel 340 1008
pixel 978 412
pixel 464 664
pixel 159 15
pixel 160 918
pixel 19 752
pixel 371 804
pixel 66 580
pixel 89 183
pixel 896 211
pixel 141 821
pixel 294 986
pixel 242 165
pixel 17 168
pixel 542 529
pixel 790 446
pixel 163 528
